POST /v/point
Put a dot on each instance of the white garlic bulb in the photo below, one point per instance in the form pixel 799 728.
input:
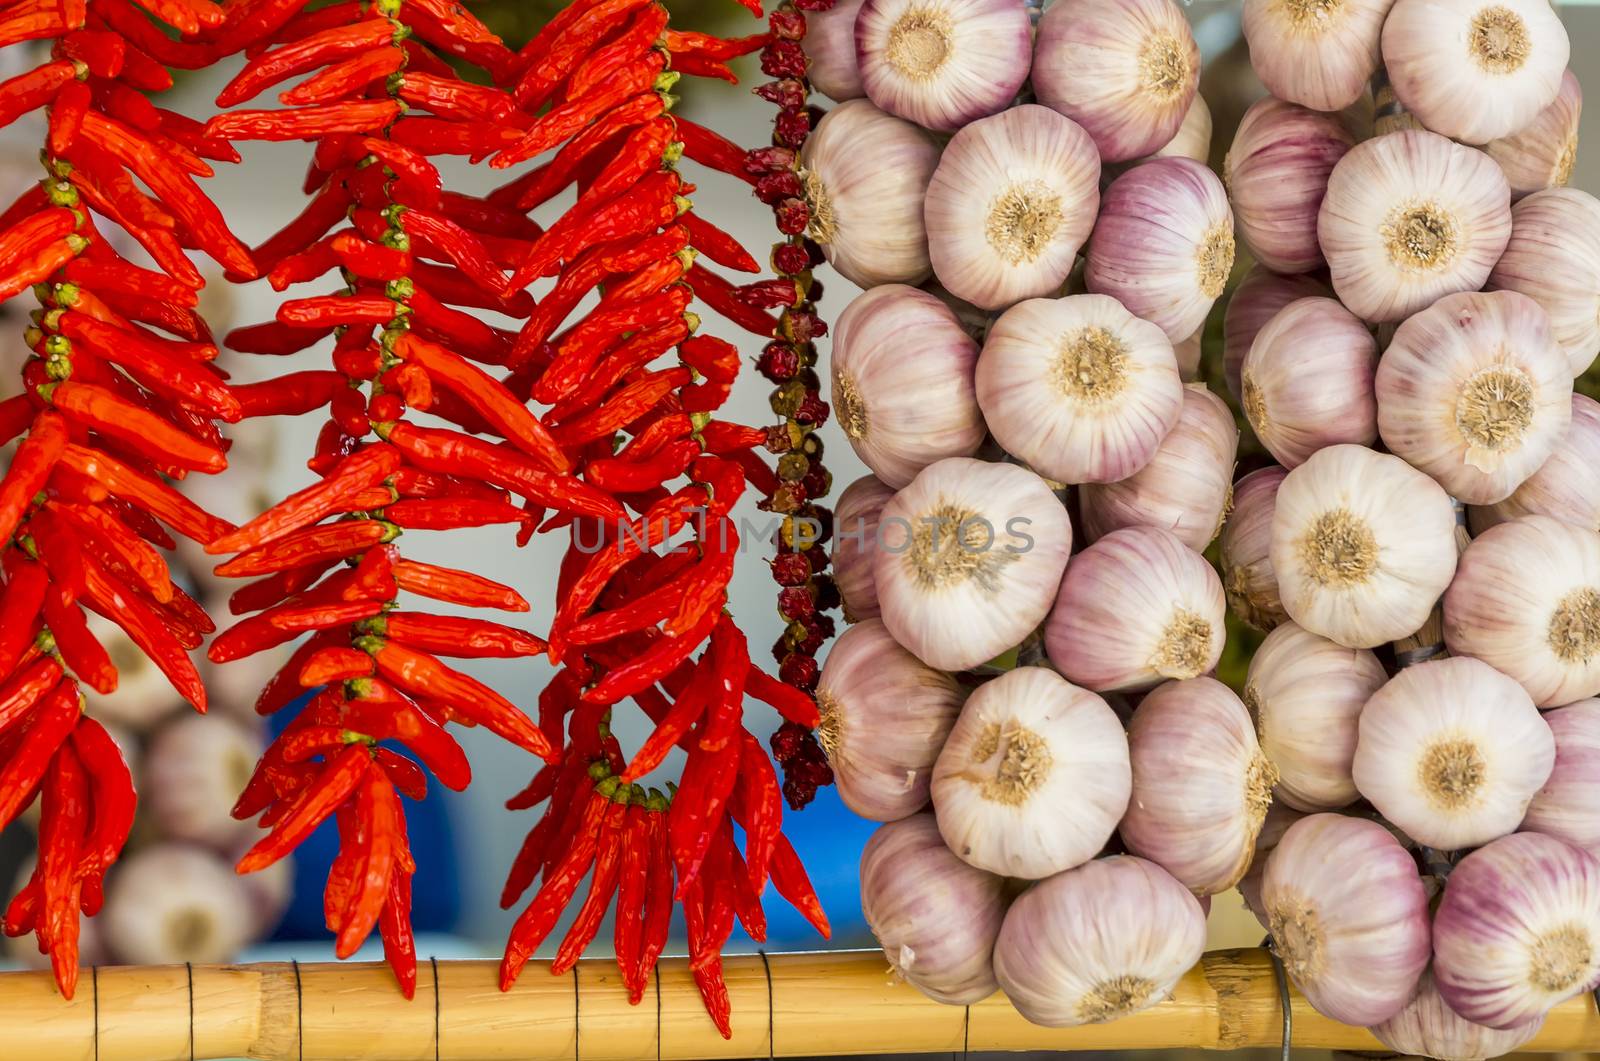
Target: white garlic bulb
pixel 1568 806
pixel 1518 930
pixel 1427 1027
pixel 1362 546
pixel 1541 154
pixel 1137 607
pixel 1186 486
pixel 1474 391
pixel 1410 217
pixel 1193 138
pixel 1307 381
pixel 1099 942
pixel 831 51
pixel 1201 785
pixel 174 903
pixel 935 917
pixel 855 537
pixel 1348 916
pixel 1277 171
pixel 1306 694
pixel 968 560
pixel 1078 388
pixel 1317 53
pixel 1273 826
pixel 1257 299
pixel 1033 778
pixel 1526 600
pixel 885 716
pixel 1012 200
pixel 193 770
pixel 943 63
pixel 1554 258
pixel 1125 70
pixel 1163 244
pixel 1246 550
pixel 865 174
pixel 1474 70
pixel 1566 487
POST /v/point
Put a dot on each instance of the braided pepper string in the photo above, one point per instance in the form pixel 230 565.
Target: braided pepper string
pixel 119 397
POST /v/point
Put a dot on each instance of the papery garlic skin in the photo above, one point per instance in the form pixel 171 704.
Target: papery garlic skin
pixel 1201 785
pixel 1013 198
pixel 1078 388
pixel 943 63
pixel 1451 751
pixel 1125 70
pixel 935 917
pixel 855 537
pixel 1408 218
pixel 1474 391
pixel 1034 776
pixel 1307 382
pixel 901 413
pixel 830 46
pixel 1474 70
pixel 1566 486
pixel 1186 486
pixel 968 560
pixel 865 175
pixel 1279 817
pixel 1317 53
pixel 1163 243
pixel 1518 930
pixel 1137 607
pixel 1246 551
pixel 1427 1027
pixel 1542 153
pixel 1097 943
pixel 1526 600
pixel 1554 258
pixel 1348 915
pixel 1306 694
pixel 1277 171
pixel 1568 806
pixel 1257 299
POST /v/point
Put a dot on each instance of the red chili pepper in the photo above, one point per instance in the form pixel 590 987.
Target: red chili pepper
pixel 26 766
pixel 379 806
pixel 353 475
pixel 150 495
pixel 394 924
pixel 581 275
pixel 32 90
pixel 154 633
pixel 623 407
pixel 346 79
pixel 27 586
pixel 305 123
pixel 717 245
pixel 112 791
pixel 712 149
pixel 308 53
pixel 307 545
pixel 423 675
pixel 688 42
pixel 650 204
pixel 607 868
pixel 404 774
pixel 539 185
pixel 456 636
pixel 722 297
pixel 332 786
pixel 643 31
pixel 567 118
pixel 626 358
pixel 63 820
pixel 30 467
pixel 587 341
pixel 25 689
pixel 78 647
pixel 146 433
pixel 555 892
pixel 672 728
pixel 563 54
pixel 457 587
pixel 789 877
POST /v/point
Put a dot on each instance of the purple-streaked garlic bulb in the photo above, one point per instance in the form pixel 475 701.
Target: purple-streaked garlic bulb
pixel 1554 259
pixel 1427 1027
pixel 831 51
pixel 1410 217
pixel 1518 930
pixel 1246 550
pixel 173 903
pixel 1541 154
pixel 1078 388
pixel 969 557
pixel 1125 70
pixel 193 770
pixel 1526 600
pixel 1273 826
pixel 1163 244
pixel 1277 171
pixel 1308 381
pixel 1317 53
pixel 902 388
pixel 855 540
pixel 1013 198
pixel 1137 607
pixel 1568 806
pixel 1186 486
pixel 935 917
pixel 1034 776
pixel 1566 486
pixel 1348 915
pixel 943 63
pixel 1097 943
pixel 1257 299
pixel 885 716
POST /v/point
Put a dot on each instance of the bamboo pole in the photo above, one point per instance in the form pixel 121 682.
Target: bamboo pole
pixel 826 1003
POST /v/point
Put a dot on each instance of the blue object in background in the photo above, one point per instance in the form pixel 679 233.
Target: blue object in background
pixel 829 838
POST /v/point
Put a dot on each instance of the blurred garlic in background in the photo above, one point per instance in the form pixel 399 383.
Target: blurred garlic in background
pixel 194 768
pixel 942 63
pixel 173 903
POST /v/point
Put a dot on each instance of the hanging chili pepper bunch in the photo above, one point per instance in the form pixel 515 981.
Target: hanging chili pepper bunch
pixel 120 396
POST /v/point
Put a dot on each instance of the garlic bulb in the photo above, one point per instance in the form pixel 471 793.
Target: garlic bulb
pixel 1362 545
pixel 1518 930
pixel 173 903
pixel 1348 916
pixel 1257 299
pixel 935 917
pixel 1012 200
pixel 1246 550
pixel 1125 70
pixel 865 174
pixel 1186 486
pixel 855 536
pixel 1099 942
pixel 1307 381
pixel 903 413
pixel 1526 600
pixel 1554 259
pixel 943 63
pixel 1427 1027
pixel 1474 70
pixel 1078 388
pixel 831 51
pixel 1193 138
pixel 1567 486
pixel 1033 778
pixel 1474 391
pixel 1189 354
pixel 1541 154
pixel 1201 785
pixel 1410 217
pixel 885 715
pixel 968 560
pixel 1306 694
pixel 1568 806
pixel 1277 171
pixel 194 769
pixel 1317 53
pixel 1163 244
pixel 1273 826
pixel 1136 607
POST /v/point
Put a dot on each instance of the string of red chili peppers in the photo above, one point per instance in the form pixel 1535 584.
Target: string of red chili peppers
pixel 121 395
